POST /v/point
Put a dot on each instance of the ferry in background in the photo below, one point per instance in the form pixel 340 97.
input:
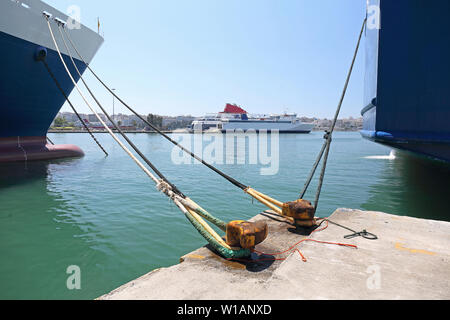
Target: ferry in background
pixel 29 98
pixel 234 118
pixel 407 82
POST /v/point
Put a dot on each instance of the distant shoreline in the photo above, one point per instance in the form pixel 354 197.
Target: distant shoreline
pixel 169 132
pixel 104 131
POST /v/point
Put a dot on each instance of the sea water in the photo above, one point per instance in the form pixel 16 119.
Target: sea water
pixel 103 217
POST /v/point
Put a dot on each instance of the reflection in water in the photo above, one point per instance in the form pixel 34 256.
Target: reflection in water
pixel 81 212
pixel 12 174
pixel 39 235
pixel 103 215
pixel 391 156
pixel 412 186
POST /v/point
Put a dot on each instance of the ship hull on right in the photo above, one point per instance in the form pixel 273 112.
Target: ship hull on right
pixel 407 81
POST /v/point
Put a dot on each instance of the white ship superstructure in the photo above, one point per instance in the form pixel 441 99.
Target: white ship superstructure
pixel 235 118
pixel 24 20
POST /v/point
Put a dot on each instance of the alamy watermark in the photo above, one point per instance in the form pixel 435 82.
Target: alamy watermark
pixel 373 17
pixel 74 19
pixel 234 147
pixel 73 282
pixel 374 280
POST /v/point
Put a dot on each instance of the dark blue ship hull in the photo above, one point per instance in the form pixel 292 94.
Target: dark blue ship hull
pixel 407 84
pixel 30 100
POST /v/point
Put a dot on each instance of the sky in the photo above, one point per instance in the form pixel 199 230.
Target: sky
pixel 191 57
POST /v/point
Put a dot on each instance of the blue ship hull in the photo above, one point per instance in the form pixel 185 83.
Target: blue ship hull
pixel 407 81
pixel 29 98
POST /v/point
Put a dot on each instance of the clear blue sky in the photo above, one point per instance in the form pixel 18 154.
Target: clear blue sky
pixel 174 57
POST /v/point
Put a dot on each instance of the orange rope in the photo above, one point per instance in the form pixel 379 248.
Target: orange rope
pixel 295 249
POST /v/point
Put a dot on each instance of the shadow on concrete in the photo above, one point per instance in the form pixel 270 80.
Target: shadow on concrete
pixel 276 217
pixel 255 263
pixel 302 231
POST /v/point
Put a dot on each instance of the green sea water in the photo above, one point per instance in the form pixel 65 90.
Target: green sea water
pixel 106 217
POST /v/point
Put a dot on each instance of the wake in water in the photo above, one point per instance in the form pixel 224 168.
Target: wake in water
pixel 391 156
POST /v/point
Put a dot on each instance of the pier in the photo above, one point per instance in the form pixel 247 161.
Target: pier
pixel 409 260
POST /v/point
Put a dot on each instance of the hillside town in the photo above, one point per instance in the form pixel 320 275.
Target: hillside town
pixel 346 124
pixel 69 121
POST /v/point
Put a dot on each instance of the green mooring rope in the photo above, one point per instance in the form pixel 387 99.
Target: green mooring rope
pixel 225 252
pixel 222 225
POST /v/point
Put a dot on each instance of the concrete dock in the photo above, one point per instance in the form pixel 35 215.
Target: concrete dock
pixel 410 260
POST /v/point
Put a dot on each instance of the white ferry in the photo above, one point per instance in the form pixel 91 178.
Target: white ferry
pixel 235 118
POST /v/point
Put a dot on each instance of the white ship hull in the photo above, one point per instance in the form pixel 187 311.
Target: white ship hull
pixel 283 127
pixel 234 118
pixel 256 125
pixel 25 20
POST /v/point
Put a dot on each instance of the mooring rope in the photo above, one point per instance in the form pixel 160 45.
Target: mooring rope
pixel 143 157
pixel 269 202
pixel 149 174
pixel 187 206
pixel 51 142
pixel 192 211
pixel 71 105
pixel 324 152
pixel 230 179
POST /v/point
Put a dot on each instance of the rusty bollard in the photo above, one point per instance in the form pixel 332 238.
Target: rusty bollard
pixel 246 234
pixel 302 211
